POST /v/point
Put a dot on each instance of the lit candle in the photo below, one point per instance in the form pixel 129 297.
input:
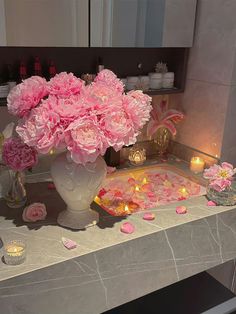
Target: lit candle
pixel 126 208
pixel 197 164
pixel 137 155
pixel 183 191
pixel 137 188
pixel 14 252
pixel 144 181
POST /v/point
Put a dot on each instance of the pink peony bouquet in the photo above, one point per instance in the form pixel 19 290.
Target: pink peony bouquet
pixel 17 155
pixel 65 114
pixel 220 176
pixel 161 116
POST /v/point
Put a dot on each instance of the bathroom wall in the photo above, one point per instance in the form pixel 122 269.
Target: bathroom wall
pixel 210 93
pixel 209 100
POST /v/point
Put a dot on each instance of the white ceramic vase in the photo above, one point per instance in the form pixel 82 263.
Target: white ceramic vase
pixel 77 186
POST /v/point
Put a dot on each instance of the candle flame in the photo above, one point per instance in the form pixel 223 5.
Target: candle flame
pixel 137 188
pixel 144 180
pixel 96 199
pixel 126 208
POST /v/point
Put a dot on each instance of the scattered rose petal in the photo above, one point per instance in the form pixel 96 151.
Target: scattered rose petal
pixel 34 212
pixel 68 243
pixel 181 210
pixel 111 169
pixel 127 227
pixel 51 186
pixel 211 203
pixel 149 216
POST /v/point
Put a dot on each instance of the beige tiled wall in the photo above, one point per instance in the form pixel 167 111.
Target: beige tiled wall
pixel 209 97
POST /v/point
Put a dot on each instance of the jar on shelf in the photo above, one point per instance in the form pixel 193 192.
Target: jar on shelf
pixel 168 80
pixel 132 82
pixel 155 80
pixel 144 82
pixel 227 197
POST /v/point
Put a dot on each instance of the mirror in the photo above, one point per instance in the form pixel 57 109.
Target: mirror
pixel 142 23
pixel 44 23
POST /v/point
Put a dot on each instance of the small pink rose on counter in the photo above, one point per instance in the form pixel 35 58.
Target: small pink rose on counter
pixel 34 212
pixel 181 210
pixel 149 216
pixel 127 227
pixel 68 243
pixel 110 169
pixel 211 203
pixel 51 186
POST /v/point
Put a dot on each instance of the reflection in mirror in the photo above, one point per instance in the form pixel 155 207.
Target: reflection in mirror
pixel 142 23
pixel 44 23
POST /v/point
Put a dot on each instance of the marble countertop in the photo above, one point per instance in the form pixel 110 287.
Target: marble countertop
pixel 109 268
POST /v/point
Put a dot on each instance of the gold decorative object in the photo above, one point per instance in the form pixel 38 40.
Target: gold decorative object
pixel 137 155
pixel 162 139
pixel 14 252
pixel 16 196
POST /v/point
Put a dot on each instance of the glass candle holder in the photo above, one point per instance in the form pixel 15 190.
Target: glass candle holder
pixel 197 164
pixel 14 252
pixel 137 156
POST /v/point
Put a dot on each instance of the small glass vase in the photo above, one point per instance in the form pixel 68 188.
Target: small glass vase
pixel 16 196
pixel 223 198
pixel 162 139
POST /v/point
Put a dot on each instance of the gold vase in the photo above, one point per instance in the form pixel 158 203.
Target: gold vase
pixel 162 139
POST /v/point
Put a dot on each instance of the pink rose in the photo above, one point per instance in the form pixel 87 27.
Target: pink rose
pixel 63 85
pixel 27 95
pixel 34 212
pixel 85 140
pixel 18 155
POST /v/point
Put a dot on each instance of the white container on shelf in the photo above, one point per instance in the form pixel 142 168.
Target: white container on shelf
pixel 168 80
pixel 155 80
pixel 132 82
pixel 144 82
pixel 124 81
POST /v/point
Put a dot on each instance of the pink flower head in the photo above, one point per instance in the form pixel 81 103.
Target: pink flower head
pixel 118 129
pixel 162 117
pixel 85 140
pixel 220 184
pixel 27 95
pixel 109 78
pixel 137 107
pixel 41 129
pixel 63 85
pixel 34 212
pixel 18 155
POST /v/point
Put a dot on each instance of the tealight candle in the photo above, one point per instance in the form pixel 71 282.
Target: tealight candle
pixel 14 252
pixel 137 155
pixel 197 164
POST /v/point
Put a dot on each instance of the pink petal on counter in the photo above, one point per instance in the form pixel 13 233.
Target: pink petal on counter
pixel 51 186
pixel 68 243
pixel 127 227
pixel 149 216
pixel 211 203
pixel 181 210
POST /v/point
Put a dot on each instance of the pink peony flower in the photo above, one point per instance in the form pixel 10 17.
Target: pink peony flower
pixel 27 95
pixel 34 212
pixel 118 129
pixel 137 107
pixel 220 176
pixel 18 155
pixel 85 140
pixel 41 130
pixel 109 78
pixel 63 85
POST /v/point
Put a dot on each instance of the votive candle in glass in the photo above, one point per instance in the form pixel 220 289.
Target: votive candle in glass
pixel 197 164
pixel 137 156
pixel 14 252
